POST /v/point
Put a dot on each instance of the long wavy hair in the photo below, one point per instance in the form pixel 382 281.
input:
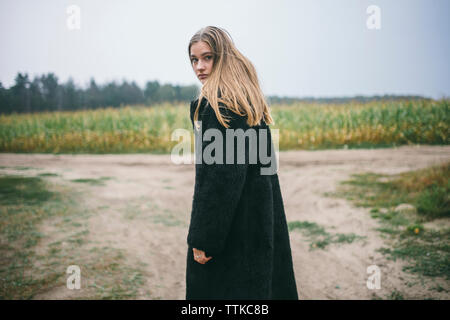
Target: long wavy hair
pixel 233 80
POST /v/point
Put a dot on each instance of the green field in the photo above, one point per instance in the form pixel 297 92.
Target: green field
pixel 139 129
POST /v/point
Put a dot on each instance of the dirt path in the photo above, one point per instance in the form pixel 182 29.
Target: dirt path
pixel 144 209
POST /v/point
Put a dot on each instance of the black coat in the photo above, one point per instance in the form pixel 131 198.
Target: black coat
pixel 237 218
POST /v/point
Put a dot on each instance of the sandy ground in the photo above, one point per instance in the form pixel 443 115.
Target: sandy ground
pixel 146 207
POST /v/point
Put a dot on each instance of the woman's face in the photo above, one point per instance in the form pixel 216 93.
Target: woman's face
pixel 202 60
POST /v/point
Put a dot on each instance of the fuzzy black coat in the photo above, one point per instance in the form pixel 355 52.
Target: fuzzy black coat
pixel 237 218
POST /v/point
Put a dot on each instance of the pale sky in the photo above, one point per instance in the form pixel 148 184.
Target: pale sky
pixel 314 48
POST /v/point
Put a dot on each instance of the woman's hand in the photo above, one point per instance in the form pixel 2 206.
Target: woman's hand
pixel 200 257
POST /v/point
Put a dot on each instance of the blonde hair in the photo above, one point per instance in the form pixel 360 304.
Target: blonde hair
pixel 233 80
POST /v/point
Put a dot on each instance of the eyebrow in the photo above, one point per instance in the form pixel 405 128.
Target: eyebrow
pixel 205 53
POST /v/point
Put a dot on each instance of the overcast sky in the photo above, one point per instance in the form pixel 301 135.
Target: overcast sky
pixel 300 48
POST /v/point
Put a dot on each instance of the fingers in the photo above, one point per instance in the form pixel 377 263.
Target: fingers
pixel 200 257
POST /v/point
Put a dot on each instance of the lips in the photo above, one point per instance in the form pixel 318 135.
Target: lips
pixel 202 76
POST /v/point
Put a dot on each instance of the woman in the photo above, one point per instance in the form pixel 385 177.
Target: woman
pixel 238 241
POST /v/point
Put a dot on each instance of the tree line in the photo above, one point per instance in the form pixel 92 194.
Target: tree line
pixel 338 100
pixel 45 93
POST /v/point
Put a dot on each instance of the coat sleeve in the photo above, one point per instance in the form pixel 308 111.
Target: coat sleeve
pixel 217 191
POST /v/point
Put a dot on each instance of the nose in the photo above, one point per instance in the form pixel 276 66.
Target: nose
pixel 200 66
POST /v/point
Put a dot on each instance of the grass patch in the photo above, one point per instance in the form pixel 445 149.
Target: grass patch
pixel 167 219
pixel 20 168
pixel 151 212
pixel 48 174
pixel 25 202
pixel 396 295
pixel 427 251
pixel 28 269
pixel 97 182
pixel 23 190
pixel 426 189
pixel 111 277
pixel 318 237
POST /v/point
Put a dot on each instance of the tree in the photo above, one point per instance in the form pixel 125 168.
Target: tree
pixel 49 91
pixel 71 99
pixel 111 95
pixel 93 95
pixel 5 100
pixel 167 93
pixel 36 97
pixel 151 92
pixel 130 93
pixel 188 93
pixel 21 94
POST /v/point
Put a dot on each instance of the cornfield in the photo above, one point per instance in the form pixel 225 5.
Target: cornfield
pixel 140 129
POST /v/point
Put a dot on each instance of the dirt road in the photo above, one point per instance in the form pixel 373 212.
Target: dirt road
pixel 144 209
